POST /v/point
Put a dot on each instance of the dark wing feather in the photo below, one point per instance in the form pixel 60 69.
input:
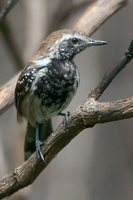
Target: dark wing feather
pixel 23 86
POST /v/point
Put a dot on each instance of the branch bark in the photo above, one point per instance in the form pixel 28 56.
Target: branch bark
pixel 87 115
pixel 97 14
pixel 7 94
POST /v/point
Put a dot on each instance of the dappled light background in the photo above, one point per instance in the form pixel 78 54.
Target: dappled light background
pixel 97 164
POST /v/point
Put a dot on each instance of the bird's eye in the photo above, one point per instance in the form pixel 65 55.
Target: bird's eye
pixel 74 40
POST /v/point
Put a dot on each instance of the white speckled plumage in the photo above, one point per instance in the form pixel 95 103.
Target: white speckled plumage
pixel 48 83
pixel 52 71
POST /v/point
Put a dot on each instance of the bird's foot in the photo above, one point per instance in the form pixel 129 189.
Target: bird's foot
pixel 38 143
pixel 66 116
pixel 39 151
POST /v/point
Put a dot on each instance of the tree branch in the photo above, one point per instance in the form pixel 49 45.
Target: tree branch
pixel 97 14
pixel 7 94
pixel 107 79
pixel 7 8
pixel 87 115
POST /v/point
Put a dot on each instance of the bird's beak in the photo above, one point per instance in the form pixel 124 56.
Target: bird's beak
pixel 93 42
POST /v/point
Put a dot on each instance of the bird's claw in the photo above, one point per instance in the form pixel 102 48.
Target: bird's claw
pixel 66 117
pixel 39 151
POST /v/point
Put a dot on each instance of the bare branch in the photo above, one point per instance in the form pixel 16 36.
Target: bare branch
pixel 7 8
pixel 107 79
pixel 7 94
pixel 97 14
pixel 88 114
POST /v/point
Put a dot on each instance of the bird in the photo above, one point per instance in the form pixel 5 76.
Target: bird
pixel 50 80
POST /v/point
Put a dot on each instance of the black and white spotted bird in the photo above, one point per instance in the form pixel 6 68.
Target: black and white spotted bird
pixel 50 80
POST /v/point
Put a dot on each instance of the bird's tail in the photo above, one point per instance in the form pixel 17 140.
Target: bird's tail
pixel 29 145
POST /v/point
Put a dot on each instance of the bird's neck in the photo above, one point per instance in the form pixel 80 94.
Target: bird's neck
pixel 56 54
pixel 50 58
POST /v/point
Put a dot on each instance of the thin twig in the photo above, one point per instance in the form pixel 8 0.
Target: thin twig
pixel 7 8
pixel 107 79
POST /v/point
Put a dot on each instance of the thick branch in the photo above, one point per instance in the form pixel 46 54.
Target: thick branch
pixel 88 114
pixel 7 94
pixel 97 14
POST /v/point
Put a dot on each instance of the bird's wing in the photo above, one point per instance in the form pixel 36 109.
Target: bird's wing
pixel 23 86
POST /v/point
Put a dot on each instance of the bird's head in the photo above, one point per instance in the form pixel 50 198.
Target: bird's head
pixel 65 44
pixel 74 42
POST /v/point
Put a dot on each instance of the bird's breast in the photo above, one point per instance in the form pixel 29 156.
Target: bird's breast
pixel 56 85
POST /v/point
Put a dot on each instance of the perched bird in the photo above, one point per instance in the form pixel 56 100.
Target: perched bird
pixel 49 81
